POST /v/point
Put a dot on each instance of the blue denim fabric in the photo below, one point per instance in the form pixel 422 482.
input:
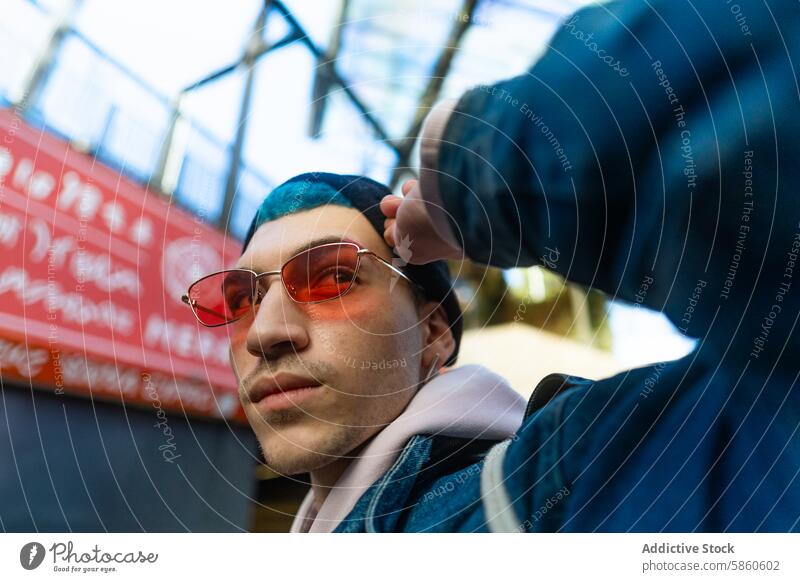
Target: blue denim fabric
pixel 448 503
pixel 383 503
pixel 678 446
pixel 425 492
pixel 695 445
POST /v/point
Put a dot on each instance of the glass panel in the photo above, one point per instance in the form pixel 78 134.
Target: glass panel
pixel 24 31
pixel 169 44
pixel 251 191
pixel 93 102
pixel 278 143
pixel 77 99
pixel 201 185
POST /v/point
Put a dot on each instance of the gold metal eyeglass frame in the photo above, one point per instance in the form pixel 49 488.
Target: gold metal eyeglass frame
pixel 360 252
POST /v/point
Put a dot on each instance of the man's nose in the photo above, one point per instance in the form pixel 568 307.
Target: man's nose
pixel 278 327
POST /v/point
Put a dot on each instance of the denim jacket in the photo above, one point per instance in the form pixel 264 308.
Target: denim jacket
pixel 669 447
pixel 447 484
pixel 449 424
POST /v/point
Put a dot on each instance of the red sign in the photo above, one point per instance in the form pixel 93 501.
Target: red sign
pixel 92 268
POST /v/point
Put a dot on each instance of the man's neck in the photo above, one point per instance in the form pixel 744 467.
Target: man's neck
pixel 325 478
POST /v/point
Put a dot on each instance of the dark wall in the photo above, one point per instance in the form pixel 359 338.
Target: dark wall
pixel 68 464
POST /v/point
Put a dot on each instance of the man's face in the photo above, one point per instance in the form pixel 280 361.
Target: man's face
pixel 361 351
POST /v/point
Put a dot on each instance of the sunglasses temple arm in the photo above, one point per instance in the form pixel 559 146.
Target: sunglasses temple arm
pixel 194 305
pixel 393 268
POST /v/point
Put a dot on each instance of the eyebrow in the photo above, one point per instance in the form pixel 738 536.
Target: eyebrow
pixel 317 242
pixel 325 240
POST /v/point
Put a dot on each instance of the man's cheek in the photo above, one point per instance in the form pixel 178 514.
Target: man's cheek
pixel 242 361
pixel 353 306
pixel 347 343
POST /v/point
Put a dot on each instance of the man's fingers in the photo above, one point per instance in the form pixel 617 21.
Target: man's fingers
pixel 407 186
pixel 390 204
pixel 388 233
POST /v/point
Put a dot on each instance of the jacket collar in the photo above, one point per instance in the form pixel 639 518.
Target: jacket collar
pixel 468 402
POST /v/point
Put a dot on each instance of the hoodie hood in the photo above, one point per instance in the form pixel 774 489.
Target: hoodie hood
pixel 468 402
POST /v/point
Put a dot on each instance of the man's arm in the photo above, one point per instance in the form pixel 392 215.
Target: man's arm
pixel 649 153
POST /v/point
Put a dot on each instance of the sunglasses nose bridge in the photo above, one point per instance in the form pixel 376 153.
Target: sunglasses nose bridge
pixel 258 282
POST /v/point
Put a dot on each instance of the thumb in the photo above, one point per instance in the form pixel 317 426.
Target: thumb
pixel 389 232
pixel 408 185
pixel 389 205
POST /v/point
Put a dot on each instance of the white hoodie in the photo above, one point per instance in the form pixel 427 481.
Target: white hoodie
pixel 469 401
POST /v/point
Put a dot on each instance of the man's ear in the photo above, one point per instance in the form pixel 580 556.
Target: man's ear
pixel 437 336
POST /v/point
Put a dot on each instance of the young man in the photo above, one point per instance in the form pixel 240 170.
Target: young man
pixel 656 163
pixel 338 349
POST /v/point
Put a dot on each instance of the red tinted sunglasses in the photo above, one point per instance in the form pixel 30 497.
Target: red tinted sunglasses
pixel 319 274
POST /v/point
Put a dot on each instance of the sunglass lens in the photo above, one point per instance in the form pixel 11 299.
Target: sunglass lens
pixel 321 273
pixel 222 297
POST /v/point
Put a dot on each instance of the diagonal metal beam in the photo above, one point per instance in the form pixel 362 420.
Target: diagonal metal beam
pixel 434 88
pixel 322 80
pixel 45 61
pixel 256 49
pixel 291 37
pixel 331 70
pixel 250 59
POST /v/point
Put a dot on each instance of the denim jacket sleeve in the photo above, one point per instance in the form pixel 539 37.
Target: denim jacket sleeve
pixel 536 465
pixel 640 156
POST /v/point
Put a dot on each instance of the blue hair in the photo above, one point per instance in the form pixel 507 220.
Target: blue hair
pixel 295 196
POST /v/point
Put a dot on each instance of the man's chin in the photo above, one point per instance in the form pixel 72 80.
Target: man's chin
pixel 295 461
pixel 291 451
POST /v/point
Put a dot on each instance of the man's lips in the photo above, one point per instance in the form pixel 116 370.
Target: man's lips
pixel 279 383
pixel 280 391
